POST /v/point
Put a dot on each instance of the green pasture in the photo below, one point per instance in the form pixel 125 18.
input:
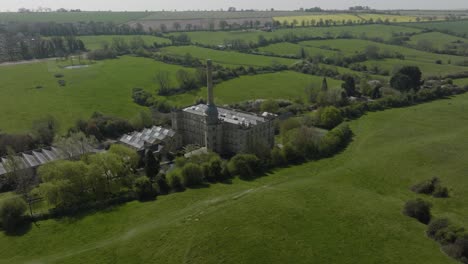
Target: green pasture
pixel 280 85
pixel 456 27
pixel 437 40
pixel 354 46
pixel 427 68
pixel 105 87
pixel 170 15
pixel 345 209
pixel 371 31
pixel 343 18
pixel 292 49
pixel 96 42
pixel 230 58
pixel 72 17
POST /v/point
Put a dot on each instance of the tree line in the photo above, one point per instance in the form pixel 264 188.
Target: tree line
pixel 16 47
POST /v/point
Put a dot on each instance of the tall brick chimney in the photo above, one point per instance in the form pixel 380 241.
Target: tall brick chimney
pixel 209 76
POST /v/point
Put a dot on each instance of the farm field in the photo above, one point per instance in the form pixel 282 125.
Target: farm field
pixel 168 15
pixel 292 49
pixel 455 27
pixel 371 31
pixel 280 85
pixel 105 87
pixel 342 18
pixel 461 82
pixel 96 42
pixel 353 46
pixel 427 68
pixel 318 211
pixel 72 17
pixel 228 58
pixel 437 40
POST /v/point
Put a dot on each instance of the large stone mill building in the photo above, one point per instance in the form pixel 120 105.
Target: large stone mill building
pixel 222 130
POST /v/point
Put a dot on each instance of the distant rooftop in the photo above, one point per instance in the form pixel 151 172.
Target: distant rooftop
pixel 228 115
pixel 36 158
pixel 138 139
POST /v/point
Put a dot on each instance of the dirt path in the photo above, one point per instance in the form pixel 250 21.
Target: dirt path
pixel 12 63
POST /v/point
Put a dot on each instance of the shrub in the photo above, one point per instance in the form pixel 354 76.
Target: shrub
pixel 277 158
pixel 425 187
pixel 459 249
pixel 11 213
pixel 436 226
pixel 58 75
pixel 162 185
pixel 174 180
pixel 192 175
pixel 329 117
pixel 62 83
pixel 144 189
pixel 244 165
pixel 418 209
pixel 440 192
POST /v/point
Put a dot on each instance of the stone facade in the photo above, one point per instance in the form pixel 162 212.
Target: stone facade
pixel 222 130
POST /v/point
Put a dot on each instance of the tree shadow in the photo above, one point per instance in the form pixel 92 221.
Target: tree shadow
pixel 23 228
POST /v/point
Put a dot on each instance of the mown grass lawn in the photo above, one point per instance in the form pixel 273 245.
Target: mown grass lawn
pixel 105 87
pixel 345 209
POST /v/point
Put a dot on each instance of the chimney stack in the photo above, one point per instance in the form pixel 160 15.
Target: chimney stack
pixel 209 76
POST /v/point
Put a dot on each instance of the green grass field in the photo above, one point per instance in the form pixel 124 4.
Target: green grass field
pixel 438 40
pixel 345 209
pixel 343 18
pixel 230 58
pixel 372 31
pixel 105 87
pixel 280 85
pixel 72 17
pixel 457 27
pixel 96 42
pixel 292 49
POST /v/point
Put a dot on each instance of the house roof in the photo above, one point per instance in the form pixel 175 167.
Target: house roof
pixel 228 115
pixel 139 139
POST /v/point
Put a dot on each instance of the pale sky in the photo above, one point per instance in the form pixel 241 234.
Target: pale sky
pixel 140 5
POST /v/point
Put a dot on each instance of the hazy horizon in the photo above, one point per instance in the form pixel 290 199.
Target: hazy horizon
pixel 181 5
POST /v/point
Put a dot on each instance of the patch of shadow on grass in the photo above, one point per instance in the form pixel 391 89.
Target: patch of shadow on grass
pixel 22 229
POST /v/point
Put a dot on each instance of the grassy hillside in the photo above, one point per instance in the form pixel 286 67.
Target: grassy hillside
pixel 96 42
pixel 456 27
pixel 346 209
pixel 105 87
pixel 371 31
pixel 280 85
pixel 226 57
pixel 438 40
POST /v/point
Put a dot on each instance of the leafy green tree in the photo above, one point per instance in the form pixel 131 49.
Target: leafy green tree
pixel 270 106
pixel 11 213
pixel 408 77
pixel 152 165
pixel 349 85
pixel 329 117
pixel 192 175
pixel 244 165
pixel 144 189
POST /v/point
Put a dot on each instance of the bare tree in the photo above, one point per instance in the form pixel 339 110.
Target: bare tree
pixel 162 79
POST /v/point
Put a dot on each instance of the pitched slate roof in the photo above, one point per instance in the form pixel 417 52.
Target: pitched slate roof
pixel 138 139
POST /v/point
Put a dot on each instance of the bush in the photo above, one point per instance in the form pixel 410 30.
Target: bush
pixel 174 180
pixel 11 213
pixel 442 231
pixel 329 117
pixel 144 189
pixel 58 75
pixel 62 83
pixel 277 158
pixel 436 226
pixel 162 185
pixel 192 175
pixel 418 209
pixel 440 192
pixel 244 165
pixel 459 249
pixel 425 187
